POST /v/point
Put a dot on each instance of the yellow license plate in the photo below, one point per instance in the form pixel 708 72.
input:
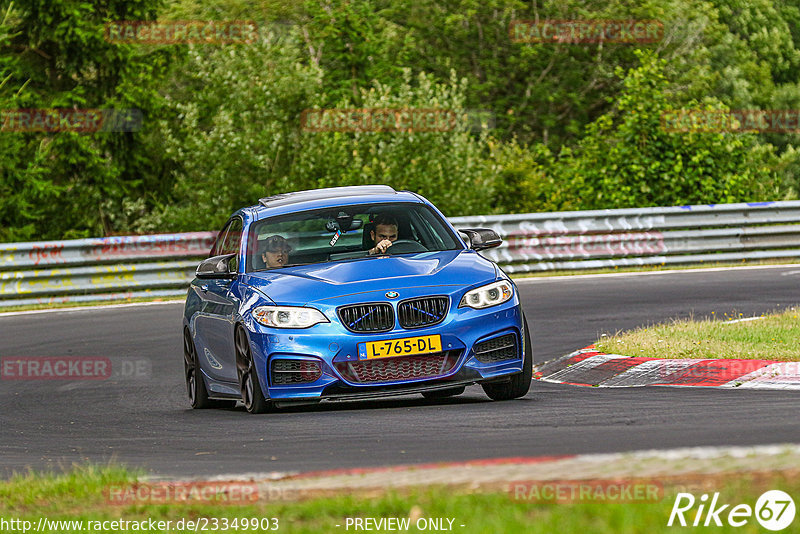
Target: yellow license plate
pixel 408 346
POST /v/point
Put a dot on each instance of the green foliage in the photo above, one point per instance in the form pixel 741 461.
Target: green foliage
pixel 235 135
pixel 232 129
pixel 525 181
pixel 576 126
pixel 354 45
pixel 762 25
pixel 448 167
pixel 629 159
pixel 60 184
pixel 538 91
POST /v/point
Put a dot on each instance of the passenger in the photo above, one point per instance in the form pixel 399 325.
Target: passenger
pixel 383 234
pixel 275 251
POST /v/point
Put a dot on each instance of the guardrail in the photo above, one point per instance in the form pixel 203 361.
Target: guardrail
pixel 573 240
pixel 109 268
pixel 163 265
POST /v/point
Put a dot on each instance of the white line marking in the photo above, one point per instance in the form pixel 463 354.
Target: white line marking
pixel 584 365
pixel 90 308
pixel 649 372
pixel 783 375
pixel 540 279
pixel 743 320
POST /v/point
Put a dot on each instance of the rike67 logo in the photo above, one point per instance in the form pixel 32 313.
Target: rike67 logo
pixel 774 510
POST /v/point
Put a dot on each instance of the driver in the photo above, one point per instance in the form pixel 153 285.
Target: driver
pixel 384 234
pixel 275 251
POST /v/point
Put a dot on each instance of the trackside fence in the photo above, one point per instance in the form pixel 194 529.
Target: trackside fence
pixel 574 240
pixel 109 268
pixel 163 265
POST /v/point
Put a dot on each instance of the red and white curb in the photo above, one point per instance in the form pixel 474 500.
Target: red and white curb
pixel 500 473
pixel 589 367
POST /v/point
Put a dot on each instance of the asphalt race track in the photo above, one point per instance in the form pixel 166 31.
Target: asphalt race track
pixel 146 422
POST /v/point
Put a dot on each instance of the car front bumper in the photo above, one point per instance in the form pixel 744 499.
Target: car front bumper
pixel 331 348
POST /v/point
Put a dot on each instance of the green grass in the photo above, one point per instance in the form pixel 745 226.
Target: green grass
pixel 78 495
pixel 773 337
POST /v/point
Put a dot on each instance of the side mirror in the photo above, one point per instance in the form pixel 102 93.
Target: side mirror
pixel 481 238
pixel 216 267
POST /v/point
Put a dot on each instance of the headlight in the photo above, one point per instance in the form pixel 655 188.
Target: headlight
pixel 288 316
pixel 488 295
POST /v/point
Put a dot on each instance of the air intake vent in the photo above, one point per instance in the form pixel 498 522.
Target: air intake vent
pixel 497 349
pixel 416 313
pixel 399 368
pixel 377 317
pixel 286 372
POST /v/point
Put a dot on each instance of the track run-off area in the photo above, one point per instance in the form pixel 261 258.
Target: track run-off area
pixel 142 418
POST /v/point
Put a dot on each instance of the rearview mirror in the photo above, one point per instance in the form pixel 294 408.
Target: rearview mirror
pixel 216 267
pixel 343 222
pixel 481 238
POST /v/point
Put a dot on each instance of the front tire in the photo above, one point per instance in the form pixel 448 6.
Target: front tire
pixel 252 395
pixel 195 386
pixel 520 383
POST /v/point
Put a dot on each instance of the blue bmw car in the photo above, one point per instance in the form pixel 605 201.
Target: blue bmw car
pixel 350 293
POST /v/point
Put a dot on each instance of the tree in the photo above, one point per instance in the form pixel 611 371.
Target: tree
pixel 629 159
pixel 56 56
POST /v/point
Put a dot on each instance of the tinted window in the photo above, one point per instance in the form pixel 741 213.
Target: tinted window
pixel 230 245
pixel 228 241
pixel 344 233
pixel 215 250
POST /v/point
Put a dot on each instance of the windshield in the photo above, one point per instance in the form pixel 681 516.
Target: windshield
pixel 346 233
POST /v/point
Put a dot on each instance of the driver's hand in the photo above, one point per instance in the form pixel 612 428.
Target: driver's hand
pixel 381 247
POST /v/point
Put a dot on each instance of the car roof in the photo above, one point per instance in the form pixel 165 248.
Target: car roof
pixel 330 197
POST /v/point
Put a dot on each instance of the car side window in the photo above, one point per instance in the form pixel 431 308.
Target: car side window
pixel 228 241
pixel 233 238
pixel 215 250
pixel 230 245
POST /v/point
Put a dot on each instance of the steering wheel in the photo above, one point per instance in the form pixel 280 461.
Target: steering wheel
pixel 401 246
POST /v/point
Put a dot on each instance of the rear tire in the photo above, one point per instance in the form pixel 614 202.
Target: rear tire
pixel 195 385
pixel 252 395
pixel 444 393
pixel 520 383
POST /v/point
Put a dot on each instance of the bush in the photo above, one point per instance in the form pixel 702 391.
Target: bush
pixel 448 167
pixel 627 159
pixel 235 135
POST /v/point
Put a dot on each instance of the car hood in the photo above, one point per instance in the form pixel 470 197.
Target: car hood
pixel 305 284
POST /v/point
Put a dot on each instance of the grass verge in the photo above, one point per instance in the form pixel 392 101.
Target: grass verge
pixel 771 337
pixel 79 496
